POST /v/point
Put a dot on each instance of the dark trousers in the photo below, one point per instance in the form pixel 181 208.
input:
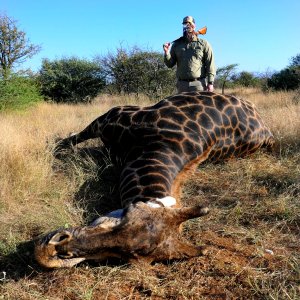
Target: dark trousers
pixel 191 86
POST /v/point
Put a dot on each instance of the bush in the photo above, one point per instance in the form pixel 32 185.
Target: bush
pixel 70 80
pixel 287 79
pixel 246 79
pixel 135 71
pixel 18 92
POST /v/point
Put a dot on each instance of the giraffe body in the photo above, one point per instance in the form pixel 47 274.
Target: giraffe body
pixel 161 144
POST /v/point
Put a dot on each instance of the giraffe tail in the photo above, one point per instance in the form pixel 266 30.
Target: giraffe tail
pixel 270 144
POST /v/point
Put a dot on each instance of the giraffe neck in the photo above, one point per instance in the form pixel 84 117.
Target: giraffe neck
pixel 148 177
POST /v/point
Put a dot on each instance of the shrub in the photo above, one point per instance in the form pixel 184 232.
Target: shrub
pixel 246 79
pixel 287 79
pixel 18 92
pixel 135 71
pixel 70 80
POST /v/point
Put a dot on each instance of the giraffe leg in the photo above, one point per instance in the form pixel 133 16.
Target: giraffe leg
pixel 70 141
pixel 62 146
pixel 90 132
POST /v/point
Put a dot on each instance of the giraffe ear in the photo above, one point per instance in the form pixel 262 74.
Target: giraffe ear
pixel 60 238
pixel 186 213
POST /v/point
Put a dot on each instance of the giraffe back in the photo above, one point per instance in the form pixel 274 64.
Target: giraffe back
pixel 187 125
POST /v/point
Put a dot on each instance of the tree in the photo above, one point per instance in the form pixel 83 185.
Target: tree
pixel 137 71
pixel 246 79
pixel 15 48
pixel 71 79
pixel 224 74
pixel 264 78
pixel 295 61
pixel 288 78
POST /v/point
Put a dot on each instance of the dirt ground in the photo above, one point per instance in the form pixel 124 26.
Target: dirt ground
pixel 251 234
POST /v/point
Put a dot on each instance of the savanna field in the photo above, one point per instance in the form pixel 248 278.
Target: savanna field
pixel 252 232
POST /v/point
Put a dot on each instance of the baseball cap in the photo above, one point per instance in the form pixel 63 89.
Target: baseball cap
pixel 188 19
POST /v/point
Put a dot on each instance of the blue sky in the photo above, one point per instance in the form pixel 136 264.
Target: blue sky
pixel 259 35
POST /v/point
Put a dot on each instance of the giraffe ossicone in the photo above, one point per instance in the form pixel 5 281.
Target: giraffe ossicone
pixel 161 146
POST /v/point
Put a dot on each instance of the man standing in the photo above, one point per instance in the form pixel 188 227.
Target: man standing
pixel 194 59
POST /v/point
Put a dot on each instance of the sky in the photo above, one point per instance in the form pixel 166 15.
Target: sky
pixel 259 35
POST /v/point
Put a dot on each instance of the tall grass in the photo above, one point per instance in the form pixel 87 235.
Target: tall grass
pixel 28 180
pixel 254 202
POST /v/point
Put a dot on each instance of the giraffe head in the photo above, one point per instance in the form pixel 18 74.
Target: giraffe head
pixel 143 232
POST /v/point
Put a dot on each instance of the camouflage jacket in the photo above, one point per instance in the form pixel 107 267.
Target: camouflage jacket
pixel 193 60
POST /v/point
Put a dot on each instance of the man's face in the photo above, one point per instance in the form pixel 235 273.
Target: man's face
pixel 188 27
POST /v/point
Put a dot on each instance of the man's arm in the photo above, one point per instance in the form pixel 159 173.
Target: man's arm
pixel 169 57
pixel 210 67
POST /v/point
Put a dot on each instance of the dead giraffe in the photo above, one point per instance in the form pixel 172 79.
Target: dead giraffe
pixel 159 145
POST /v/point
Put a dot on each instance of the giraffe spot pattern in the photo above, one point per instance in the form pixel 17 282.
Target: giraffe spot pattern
pixel 159 142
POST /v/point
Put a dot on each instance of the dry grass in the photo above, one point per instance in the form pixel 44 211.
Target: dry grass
pixel 252 232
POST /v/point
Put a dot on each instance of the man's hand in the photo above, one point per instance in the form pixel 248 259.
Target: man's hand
pixel 210 88
pixel 166 47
